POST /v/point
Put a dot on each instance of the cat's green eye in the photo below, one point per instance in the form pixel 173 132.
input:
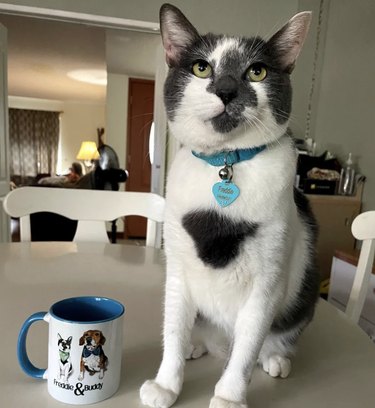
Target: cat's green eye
pixel 202 69
pixel 257 73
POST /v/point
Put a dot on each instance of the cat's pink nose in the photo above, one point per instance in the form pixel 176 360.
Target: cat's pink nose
pixel 226 88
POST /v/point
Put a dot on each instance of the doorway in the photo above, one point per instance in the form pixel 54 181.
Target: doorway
pixel 118 25
pixel 140 119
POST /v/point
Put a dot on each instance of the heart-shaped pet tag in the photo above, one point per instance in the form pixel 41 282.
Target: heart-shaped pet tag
pixel 225 192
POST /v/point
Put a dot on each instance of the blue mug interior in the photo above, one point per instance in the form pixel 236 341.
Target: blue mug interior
pixel 87 309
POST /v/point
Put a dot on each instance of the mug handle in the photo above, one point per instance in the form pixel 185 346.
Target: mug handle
pixel 23 358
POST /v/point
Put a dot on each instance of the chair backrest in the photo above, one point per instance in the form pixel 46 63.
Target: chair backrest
pixel 363 228
pixel 91 208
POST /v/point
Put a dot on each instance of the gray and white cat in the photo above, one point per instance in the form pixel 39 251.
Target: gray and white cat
pixel 240 251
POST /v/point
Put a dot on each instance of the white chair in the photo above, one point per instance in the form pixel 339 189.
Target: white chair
pixel 363 228
pixel 91 208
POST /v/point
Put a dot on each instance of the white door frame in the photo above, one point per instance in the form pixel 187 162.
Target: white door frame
pixel 158 180
pixel 75 17
pixel 4 145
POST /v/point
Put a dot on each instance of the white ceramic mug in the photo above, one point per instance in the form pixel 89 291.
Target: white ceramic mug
pixel 84 349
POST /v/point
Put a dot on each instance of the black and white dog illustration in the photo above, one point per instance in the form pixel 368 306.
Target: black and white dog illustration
pixel 93 358
pixel 65 364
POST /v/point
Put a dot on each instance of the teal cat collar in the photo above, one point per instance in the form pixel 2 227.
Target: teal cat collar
pixel 230 157
pixel 225 191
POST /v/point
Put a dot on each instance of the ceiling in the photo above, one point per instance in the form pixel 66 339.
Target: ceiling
pixel 42 52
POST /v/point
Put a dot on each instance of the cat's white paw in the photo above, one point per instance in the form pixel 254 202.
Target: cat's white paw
pixel 154 395
pixel 195 351
pixel 277 366
pixel 217 402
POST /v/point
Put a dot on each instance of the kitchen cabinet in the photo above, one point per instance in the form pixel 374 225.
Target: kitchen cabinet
pixel 334 214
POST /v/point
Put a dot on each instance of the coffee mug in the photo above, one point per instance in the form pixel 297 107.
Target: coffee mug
pixel 84 349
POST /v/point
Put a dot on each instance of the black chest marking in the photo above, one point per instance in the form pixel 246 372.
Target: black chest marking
pixel 217 238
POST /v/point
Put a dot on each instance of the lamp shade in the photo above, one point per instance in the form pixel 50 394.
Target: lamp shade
pixel 88 151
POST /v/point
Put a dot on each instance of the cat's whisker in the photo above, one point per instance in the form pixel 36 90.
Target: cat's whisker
pixel 204 41
pixel 142 115
pixel 288 116
pixel 252 124
pixel 272 30
pixel 283 114
pixel 263 130
pixel 260 122
pixel 257 47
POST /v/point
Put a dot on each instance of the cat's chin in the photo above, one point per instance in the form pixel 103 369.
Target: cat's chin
pixel 224 123
pixel 203 138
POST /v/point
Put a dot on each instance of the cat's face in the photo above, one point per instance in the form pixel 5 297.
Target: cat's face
pixel 224 93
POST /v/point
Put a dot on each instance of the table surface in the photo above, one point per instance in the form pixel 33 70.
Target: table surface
pixel 334 365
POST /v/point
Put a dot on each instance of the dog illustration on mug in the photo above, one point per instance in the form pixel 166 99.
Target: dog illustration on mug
pixel 65 364
pixel 93 358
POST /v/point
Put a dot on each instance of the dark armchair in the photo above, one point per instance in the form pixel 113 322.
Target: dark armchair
pixel 106 175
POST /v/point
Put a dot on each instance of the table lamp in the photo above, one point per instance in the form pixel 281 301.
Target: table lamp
pixel 87 153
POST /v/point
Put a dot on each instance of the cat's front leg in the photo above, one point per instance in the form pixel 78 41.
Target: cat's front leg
pixel 179 318
pixel 252 325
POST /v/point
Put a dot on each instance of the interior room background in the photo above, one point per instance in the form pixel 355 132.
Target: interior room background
pixel 334 90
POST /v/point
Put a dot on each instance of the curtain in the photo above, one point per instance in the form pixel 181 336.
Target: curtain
pixel 33 142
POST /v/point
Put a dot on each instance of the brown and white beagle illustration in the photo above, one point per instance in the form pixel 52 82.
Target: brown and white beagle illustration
pixel 93 358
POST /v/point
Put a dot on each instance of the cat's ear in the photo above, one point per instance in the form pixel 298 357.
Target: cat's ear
pixel 176 31
pixel 287 42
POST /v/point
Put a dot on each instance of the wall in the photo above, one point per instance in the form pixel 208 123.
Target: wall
pixel 309 65
pixel 345 112
pixel 232 17
pixel 117 114
pixel 78 122
pixel 4 142
pixel 117 122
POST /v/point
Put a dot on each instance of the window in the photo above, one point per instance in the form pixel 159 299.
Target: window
pixel 33 143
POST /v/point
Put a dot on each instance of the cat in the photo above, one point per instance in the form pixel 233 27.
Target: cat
pixel 239 238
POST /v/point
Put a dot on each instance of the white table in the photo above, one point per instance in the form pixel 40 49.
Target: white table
pixel 330 370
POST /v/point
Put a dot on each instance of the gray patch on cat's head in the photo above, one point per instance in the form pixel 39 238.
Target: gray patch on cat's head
pixel 180 75
pixel 229 79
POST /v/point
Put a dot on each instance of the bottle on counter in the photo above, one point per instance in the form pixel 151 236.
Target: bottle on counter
pixel 347 177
